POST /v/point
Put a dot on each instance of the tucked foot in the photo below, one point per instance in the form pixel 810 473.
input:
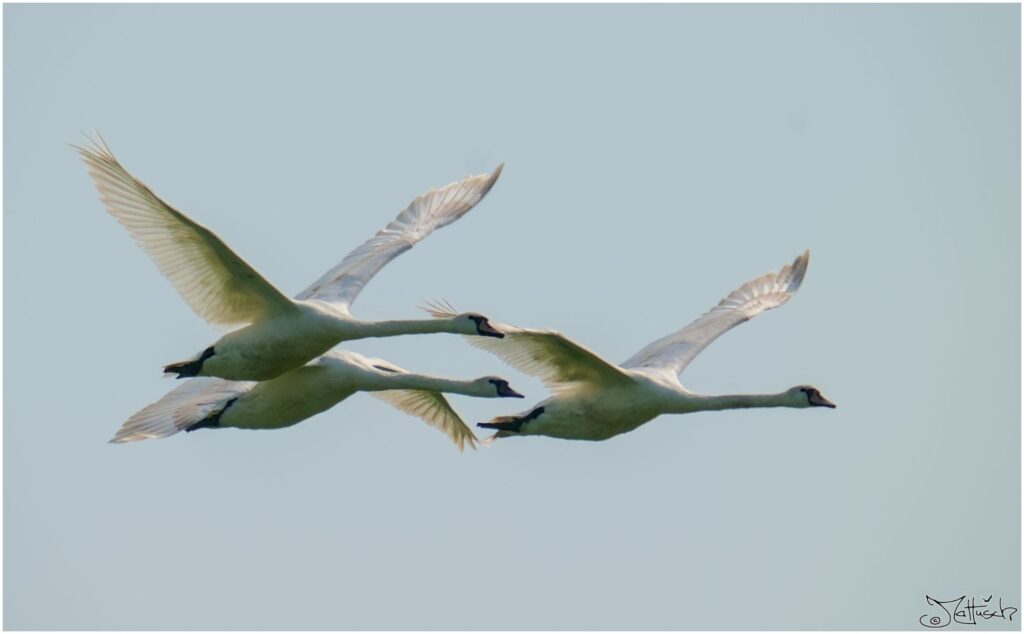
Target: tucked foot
pixel 188 369
pixel 211 421
pixel 513 424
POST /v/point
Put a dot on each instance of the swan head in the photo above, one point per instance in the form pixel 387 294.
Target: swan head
pixel 808 396
pixel 476 324
pixel 464 323
pixel 495 387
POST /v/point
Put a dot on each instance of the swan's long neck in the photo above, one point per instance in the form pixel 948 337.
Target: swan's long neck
pixel 408 381
pixel 397 327
pixel 699 402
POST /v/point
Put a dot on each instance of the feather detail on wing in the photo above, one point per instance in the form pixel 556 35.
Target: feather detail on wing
pixel 558 361
pixel 182 407
pixel 434 409
pixel 429 212
pixel 677 350
pixel 215 282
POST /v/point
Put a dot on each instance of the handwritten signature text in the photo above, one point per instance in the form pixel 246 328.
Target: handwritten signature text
pixel 965 611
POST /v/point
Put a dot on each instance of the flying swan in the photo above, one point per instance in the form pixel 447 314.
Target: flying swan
pixel 595 400
pixel 306 391
pixel 222 288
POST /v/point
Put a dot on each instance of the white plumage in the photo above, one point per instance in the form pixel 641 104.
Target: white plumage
pixel 304 392
pixel 185 405
pixel 677 350
pixel 594 399
pixel 224 289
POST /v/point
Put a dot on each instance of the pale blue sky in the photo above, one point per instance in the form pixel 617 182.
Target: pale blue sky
pixel 656 158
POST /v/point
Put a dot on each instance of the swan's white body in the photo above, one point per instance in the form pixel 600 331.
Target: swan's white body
pixel 598 412
pixel 266 349
pixel 224 289
pixel 304 392
pixel 595 400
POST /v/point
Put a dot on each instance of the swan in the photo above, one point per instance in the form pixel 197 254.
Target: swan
pixel 298 394
pixel 595 400
pixel 222 288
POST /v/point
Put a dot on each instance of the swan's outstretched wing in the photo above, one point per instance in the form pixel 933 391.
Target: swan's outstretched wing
pixel 433 408
pixel 677 350
pixel 433 210
pixel 183 406
pixel 219 285
pixel 548 355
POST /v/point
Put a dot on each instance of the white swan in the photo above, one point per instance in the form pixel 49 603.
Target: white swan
pixel 223 289
pixel 303 392
pixel 595 400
